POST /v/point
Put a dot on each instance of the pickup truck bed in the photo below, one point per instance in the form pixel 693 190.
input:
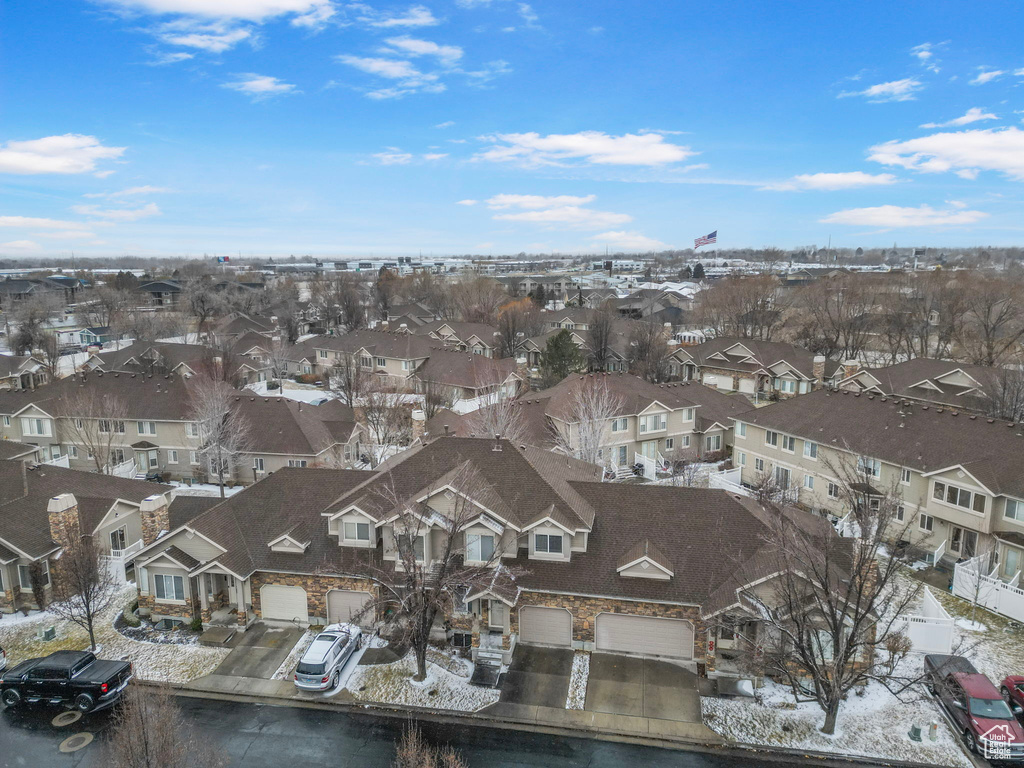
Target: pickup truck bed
pixel 77 678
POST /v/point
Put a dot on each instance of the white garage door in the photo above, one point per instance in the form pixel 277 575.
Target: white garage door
pixel 343 604
pixel 282 603
pixel 620 633
pixel 545 626
pixel 710 381
pixel 747 386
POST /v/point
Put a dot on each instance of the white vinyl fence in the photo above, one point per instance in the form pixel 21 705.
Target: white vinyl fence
pixel 930 631
pixel 973 582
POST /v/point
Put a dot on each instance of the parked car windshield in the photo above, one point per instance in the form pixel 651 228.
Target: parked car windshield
pixel 993 709
pixel 305 668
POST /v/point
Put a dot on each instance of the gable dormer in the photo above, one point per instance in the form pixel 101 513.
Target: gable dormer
pixel 645 561
pixel 294 541
pixel 354 528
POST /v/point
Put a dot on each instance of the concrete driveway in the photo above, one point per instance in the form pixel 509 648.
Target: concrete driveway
pixel 642 687
pixel 259 651
pixel 537 677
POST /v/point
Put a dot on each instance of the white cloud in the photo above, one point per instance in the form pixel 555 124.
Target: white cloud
pixel 259 87
pixel 117 214
pixel 895 90
pixel 435 155
pixel 628 241
pixel 529 16
pixel 416 16
pixel 488 72
pixel 467 202
pixel 22 246
pixel 445 124
pixel 986 76
pixel 162 59
pixel 393 156
pixel 70 153
pixel 894 216
pixel 832 181
pixel 972 115
pixel 70 234
pixel 925 53
pixel 534 202
pixel 130 192
pixel 215 37
pixel 472 3
pixel 410 46
pixel 532 149
pixel 249 10
pixel 409 79
pixel 33 222
pixel 564 210
pixel 964 152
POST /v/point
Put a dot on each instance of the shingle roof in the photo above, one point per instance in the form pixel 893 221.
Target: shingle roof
pixel 926 438
pixel 185 508
pixel 464 331
pixel 11 449
pixel 464 369
pixel 11 364
pixel 24 494
pixel 899 380
pixel 285 426
pixel 405 346
pixel 764 353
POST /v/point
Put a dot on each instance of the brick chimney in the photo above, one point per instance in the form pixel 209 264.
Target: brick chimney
pixel 62 512
pixel 419 424
pixel 818 370
pixel 850 367
pixel 155 517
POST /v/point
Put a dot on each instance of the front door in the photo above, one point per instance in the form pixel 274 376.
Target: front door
pixel 497 615
pixel 970 548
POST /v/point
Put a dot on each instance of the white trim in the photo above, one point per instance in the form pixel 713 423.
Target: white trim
pixel 553 522
pixel 641 559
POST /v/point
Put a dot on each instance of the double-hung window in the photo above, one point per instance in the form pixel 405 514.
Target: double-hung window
pixel 322 354
pixel 548 543
pixel 36 427
pixel 905 476
pixel 109 427
pixel 788 444
pixel 146 427
pixel 810 450
pixel 741 429
pixel 168 587
pixel 296 462
pixel 191 429
pixel 869 467
pixel 833 490
pixel 1014 510
pixel 479 547
pixel 787 385
pixel 809 482
pixel 381 362
pixel 357 531
pixel 257 464
pixel 25 575
pixel 759 465
pixel 687 414
pixel 172 456
pixel 926 522
pixel 653 422
pixel 620 424
pixel 713 443
pixel 960 497
pixel 771 438
pixel 366 362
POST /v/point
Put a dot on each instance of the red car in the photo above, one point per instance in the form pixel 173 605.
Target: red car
pixel 976 708
pixel 1012 689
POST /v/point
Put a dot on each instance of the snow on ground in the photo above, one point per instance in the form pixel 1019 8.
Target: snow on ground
pixel 203 489
pixel 874 724
pixel 284 672
pixel 446 687
pixel 577 696
pixel 152 661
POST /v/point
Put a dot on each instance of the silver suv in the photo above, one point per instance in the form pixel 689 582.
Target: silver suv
pixel 321 664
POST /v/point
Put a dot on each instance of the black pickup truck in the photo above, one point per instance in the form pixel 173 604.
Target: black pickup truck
pixel 75 678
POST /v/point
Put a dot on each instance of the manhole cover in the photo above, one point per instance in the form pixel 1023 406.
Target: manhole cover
pixel 76 742
pixel 66 718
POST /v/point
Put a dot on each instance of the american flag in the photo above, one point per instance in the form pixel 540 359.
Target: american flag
pixel 706 240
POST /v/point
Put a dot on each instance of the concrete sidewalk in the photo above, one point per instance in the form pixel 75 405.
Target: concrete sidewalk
pixel 535 716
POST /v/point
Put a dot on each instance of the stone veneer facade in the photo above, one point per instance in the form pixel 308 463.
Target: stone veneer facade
pixel 155 518
pixel 316 585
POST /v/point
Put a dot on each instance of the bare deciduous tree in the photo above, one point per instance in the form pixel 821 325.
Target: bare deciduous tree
pixel 340 300
pixel 584 432
pixel 347 378
pixel 388 419
pixel 93 422
pixel 518 321
pixel 1006 392
pixel 83 584
pixel 504 418
pixel 994 318
pixel 150 732
pixel 831 616
pixel 648 352
pixel 600 334
pixel 225 435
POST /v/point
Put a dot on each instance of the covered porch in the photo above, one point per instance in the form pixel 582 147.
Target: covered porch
pixel 224 598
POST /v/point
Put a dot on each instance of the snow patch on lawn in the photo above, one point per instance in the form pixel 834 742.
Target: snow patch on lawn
pixel 874 724
pixel 971 626
pixel 203 489
pixel 305 393
pixel 151 661
pixel 449 686
pixel 577 696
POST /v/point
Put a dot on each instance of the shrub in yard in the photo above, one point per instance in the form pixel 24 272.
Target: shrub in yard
pixel 196 625
pixel 413 751
pixel 307 378
pixel 130 618
pixel 273 385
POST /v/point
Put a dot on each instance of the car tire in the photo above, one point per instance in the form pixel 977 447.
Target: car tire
pixel 336 679
pixel 931 690
pixel 84 702
pixel 970 742
pixel 11 697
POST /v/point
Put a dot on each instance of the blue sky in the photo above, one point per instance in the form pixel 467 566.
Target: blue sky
pixel 495 126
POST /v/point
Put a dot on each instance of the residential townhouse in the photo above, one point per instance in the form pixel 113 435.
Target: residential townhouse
pixel 958 474
pixel 596 566
pixel 163 294
pixel 248 359
pixel 35 502
pixel 660 422
pixel 926 380
pixel 468 376
pixel 158 435
pixel 21 372
pixel 393 356
pixel 618 344
pixel 478 338
pixel 760 368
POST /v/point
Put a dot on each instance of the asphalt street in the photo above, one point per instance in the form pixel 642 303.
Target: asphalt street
pixel 256 735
